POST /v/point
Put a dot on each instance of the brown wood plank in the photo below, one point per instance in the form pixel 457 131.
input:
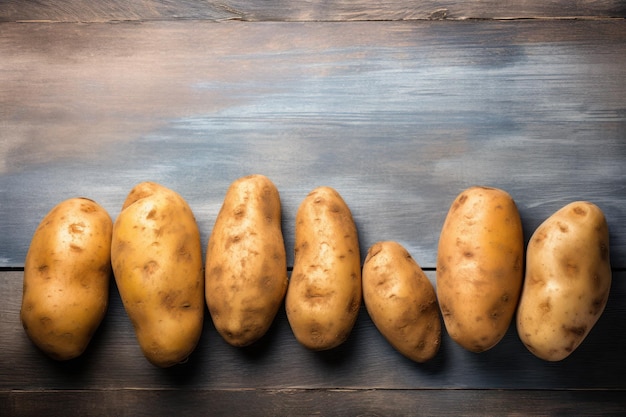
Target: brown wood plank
pixel 294 403
pixel 338 10
pixel 277 362
pixel 398 116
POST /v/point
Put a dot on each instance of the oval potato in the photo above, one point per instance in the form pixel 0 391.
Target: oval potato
pixel 568 279
pixel 67 272
pixel 324 293
pixel 157 262
pixel 480 267
pixel 246 265
pixel 401 301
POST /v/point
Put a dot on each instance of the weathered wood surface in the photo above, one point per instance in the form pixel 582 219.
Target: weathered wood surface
pixel 277 362
pixel 299 10
pixel 399 117
pixel 296 403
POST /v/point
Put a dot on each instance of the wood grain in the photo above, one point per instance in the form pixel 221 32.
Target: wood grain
pixel 399 117
pixel 326 402
pixel 299 10
pixel 365 362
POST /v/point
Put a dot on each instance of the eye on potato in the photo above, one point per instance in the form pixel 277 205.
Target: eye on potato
pixel 480 267
pixel 66 278
pixel 568 279
pixel 401 301
pixel 324 293
pixel 246 265
pixel 157 262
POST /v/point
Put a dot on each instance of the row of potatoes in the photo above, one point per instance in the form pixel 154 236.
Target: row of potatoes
pixel 557 289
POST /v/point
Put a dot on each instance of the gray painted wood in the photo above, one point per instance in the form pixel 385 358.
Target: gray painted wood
pixel 365 362
pixel 399 117
pixel 298 10
pixel 328 402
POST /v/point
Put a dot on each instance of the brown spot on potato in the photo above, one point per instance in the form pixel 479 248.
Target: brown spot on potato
pixel 539 237
pixel 571 268
pixel 604 252
pixel 580 211
pixel 150 267
pixel 576 330
pixel 77 228
pixel 169 299
pixel 564 228
pixel 353 305
pixel 597 304
pixel 87 206
pixel 459 201
pixel 75 248
pixel 546 306
pixel 152 214
pixel 183 254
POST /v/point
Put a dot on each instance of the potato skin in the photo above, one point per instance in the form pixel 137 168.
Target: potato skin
pixel 324 293
pixel 67 273
pixel 246 266
pixel 567 283
pixel 401 301
pixel 480 263
pixel 157 262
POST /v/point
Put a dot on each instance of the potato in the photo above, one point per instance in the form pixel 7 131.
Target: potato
pixel 324 293
pixel 157 262
pixel 568 278
pixel 480 263
pixel 401 301
pixel 67 273
pixel 246 266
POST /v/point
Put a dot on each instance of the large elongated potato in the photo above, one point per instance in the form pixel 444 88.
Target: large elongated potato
pixel 480 267
pixel 568 278
pixel 324 293
pixel 246 266
pixel 157 262
pixel 401 301
pixel 66 278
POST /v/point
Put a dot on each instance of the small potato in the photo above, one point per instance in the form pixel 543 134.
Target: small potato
pixel 157 262
pixel 324 292
pixel 480 267
pixel 401 301
pixel 568 278
pixel 246 266
pixel 66 278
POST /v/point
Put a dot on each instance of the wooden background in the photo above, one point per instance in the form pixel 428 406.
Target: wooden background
pixel 399 105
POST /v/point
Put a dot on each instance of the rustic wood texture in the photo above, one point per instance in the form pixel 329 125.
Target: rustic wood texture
pixel 398 116
pixel 327 402
pixel 298 10
pixel 365 361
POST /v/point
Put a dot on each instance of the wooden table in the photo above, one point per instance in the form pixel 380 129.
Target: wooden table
pixel 398 105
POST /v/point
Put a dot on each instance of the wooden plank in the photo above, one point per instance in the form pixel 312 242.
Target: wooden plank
pixel 366 361
pixel 399 117
pixel 338 10
pixel 294 403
